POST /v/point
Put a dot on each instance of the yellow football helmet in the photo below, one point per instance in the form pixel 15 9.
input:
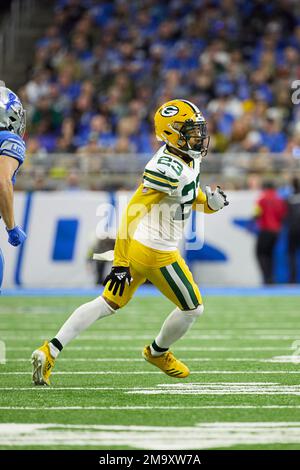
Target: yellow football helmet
pixel 181 124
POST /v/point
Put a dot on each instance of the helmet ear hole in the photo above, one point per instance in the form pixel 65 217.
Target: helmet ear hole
pixel 167 132
pixel 177 126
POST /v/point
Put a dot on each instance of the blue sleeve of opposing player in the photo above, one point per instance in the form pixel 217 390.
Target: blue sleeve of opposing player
pixel 13 146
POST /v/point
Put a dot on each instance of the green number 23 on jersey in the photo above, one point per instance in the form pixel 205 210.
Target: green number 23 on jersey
pixel 168 161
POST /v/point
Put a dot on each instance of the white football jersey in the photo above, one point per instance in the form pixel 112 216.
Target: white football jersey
pixel 162 227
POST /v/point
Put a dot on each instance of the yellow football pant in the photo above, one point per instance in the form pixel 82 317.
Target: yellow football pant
pixel 167 270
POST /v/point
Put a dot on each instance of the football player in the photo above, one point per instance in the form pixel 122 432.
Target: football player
pixel 12 154
pixel 146 244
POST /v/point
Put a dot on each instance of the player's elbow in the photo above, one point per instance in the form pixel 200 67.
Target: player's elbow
pixel 5 183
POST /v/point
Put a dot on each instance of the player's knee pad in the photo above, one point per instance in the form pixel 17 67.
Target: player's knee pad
pixel 196 312
pixel 1 267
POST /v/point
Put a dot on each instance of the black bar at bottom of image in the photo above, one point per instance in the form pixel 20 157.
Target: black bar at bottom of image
pixel 134 459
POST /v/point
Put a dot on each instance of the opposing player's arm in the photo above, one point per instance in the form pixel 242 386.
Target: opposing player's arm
pixel 210 202
pixel 139 205
pixel 12 154
pixel 8 167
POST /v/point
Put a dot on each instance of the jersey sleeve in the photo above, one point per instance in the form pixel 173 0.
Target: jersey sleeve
pixel 161 177
pixel 13 147
pixel 200 203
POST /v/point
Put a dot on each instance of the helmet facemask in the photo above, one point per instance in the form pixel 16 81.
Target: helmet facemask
pixel 193 139
pixel 17 119
pixel 12 113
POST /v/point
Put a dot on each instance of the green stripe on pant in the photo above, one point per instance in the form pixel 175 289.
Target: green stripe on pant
pixel 174 288
pixel 187 283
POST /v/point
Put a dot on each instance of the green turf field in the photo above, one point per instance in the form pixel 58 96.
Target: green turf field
pixel 243 392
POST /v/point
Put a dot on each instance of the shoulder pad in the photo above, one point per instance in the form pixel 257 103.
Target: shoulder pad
pixel 160 175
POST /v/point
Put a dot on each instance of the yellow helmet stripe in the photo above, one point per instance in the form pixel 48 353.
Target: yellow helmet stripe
pixel 193 106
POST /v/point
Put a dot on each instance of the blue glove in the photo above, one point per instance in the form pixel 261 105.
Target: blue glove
pixel 16 236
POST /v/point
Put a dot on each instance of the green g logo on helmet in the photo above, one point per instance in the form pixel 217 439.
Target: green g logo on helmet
pixel 169 111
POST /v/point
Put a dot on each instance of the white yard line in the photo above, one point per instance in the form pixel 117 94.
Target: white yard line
pixel 150 408
pixel 286 359
pixel 106 336
pixel 135 359
pixel 220 388
pixel 200 436
pixel 296 360
pixel 146 326
pixel 237 336
pixel 198 388
pixel 147 372
pixel 46 389
pixel 178 348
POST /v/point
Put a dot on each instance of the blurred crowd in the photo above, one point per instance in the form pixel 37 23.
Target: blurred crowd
pixel 103 67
